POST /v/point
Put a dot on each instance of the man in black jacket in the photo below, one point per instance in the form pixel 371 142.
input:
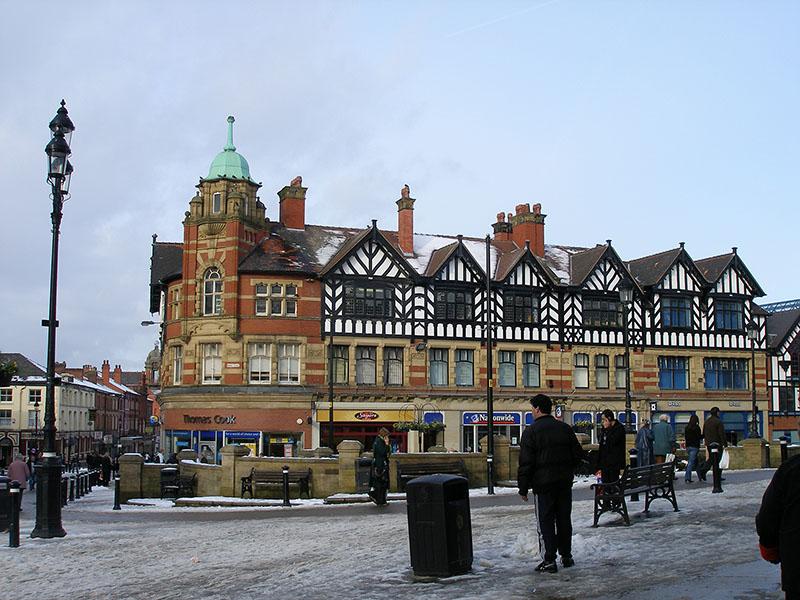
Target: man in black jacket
pixel 778 525
pixel 549 454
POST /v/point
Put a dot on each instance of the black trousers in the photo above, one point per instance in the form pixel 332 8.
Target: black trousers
pixel 554 509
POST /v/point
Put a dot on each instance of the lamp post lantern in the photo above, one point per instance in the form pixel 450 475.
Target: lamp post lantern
pixel 48 473
pixel 752 335
pixel 626 299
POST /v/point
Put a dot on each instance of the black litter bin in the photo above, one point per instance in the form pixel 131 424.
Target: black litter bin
pixel 170 485
pixel 439 525
pixel 5 503
pixel 363 474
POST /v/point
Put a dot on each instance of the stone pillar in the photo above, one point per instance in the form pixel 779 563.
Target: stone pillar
pixel 349 451
pixel 229 484
pixel 130 476
pixel 754 449
pixel 502 458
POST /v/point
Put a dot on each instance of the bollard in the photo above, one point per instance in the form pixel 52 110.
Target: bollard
pixel 784 449
pixel 116 494
pixel 286 486
pixel 71 484
pixel 64 493
pixel 634 462
pixel 714 448
pixel 13 526
pixel 769 458
pixel 78 491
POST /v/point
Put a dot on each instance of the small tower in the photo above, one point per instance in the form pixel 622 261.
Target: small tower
pixel 224 222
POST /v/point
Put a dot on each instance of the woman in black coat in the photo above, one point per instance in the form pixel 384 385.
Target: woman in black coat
pixel 380 467
pixel 611 455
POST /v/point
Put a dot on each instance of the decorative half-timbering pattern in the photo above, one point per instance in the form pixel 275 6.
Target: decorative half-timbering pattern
pixel 605 278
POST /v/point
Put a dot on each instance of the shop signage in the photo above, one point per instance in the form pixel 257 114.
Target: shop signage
pixel 673 403
pixel 500 418
pixel 433 417
pixel 242 435
pixel 216 419
pixel 366 415
pixel 734 403
pixel 654 406
pixel 233 365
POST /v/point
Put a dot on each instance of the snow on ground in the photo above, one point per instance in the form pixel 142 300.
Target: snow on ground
pixel 362 552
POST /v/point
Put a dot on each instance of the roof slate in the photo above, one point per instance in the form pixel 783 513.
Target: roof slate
pixel 650 270
pixel 582 263
pixel 779 325
pixel 25 367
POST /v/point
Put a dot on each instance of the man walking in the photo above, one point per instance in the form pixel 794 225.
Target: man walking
pixel 713 432
pixel 549 454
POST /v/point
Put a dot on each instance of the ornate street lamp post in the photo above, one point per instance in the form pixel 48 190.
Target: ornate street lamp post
pixel 752 335
pixel 626 299
pixel 48 472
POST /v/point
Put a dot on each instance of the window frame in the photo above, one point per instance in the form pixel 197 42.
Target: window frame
pixel 287 376
pixel 366 364
pixel 255 353
pixel 595 317
pixel 620 368
pixel 340 364
pixel 211 372
pixel 35 392
pixel 389 361
pixel 439 357
pixel 216 203
pixel 177 365
pixel 526 368
pixel 506 368
pixel 212 296
pixel 599 370
pixel 464 360
pixel 583 369
pixel 6 395
pixel 670 370
pixel 724 308
pixel 453 304
pixel 669 312
pixel 724 368
pixel 368 301
pixel 516 312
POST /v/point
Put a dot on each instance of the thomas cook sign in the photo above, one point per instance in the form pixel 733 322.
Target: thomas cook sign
pixel 207 420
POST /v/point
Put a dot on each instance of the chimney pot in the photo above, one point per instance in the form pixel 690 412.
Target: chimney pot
pixel 501 217
pixel 522 209
pixel 537 209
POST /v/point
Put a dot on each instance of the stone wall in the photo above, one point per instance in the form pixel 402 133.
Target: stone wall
pixel 337 473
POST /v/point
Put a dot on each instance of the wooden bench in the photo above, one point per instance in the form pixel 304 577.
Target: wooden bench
pixel 655 481
pixel 258 479
pixel 178 486
pixel 408 471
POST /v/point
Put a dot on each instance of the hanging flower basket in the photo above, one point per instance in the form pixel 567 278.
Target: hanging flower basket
pixel 7 371
pixel 419 426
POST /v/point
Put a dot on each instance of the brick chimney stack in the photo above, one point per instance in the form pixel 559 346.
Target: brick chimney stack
pixel 293 204
pixel 89 373
pixel 502 229
pixel 117 376
pixel 529 225
pixel 106 372
pixel 405 221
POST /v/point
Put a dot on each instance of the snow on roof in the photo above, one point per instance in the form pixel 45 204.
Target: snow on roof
pixel 335 241
pixel 557 258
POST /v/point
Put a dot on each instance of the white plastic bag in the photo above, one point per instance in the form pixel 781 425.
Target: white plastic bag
pixel 669 458
pixel 725 460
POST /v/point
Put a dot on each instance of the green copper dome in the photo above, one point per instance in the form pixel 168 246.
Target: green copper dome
pixel 229 164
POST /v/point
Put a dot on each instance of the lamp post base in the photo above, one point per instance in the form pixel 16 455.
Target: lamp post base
pixel 48 499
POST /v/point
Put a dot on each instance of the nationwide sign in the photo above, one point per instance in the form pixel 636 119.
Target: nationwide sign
pixel 499 418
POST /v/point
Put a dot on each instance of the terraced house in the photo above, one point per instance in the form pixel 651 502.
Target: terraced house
pixel 265 319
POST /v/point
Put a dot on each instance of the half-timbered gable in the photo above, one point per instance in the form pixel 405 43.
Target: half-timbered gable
pixel 526 299
pixel 729 304
pixel 675 288
pixel 368 288
pixel 783 335
pixel 593 313
pixel 453 301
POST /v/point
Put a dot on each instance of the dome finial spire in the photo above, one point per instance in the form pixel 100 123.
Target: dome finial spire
pixel 229 145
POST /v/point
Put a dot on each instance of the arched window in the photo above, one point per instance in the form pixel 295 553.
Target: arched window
pixel 212 292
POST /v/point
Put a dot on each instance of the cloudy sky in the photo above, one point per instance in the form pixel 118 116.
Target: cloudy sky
pixel 648 123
